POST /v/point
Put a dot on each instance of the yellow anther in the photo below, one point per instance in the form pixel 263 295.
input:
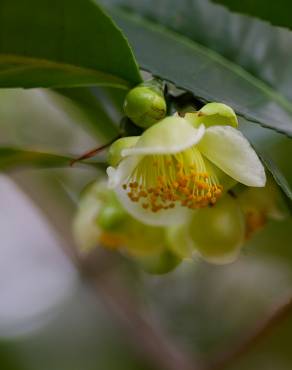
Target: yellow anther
pixel 174 180
pixel 218 192
pixel 133 184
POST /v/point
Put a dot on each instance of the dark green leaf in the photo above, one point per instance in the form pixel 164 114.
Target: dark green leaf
pixel 274 149
pixel 276 12
pixel 98 120
pixel 62 43
pixel 220 56
pixel 13 158
pixel 181 58
pixel 280 179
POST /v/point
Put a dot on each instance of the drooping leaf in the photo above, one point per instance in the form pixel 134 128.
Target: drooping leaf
pixel 98 121
pixel 62 43
pixel 275 12
pixel 167 41
pixel 14 158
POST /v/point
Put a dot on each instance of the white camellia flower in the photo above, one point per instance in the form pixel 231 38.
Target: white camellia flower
pixel 175 166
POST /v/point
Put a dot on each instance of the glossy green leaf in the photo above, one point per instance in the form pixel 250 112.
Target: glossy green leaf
pixel 63 43
pixel 13 158
pixel 278 12
pixel 168 39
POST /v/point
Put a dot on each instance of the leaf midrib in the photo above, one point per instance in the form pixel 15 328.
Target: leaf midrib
pixel 31 62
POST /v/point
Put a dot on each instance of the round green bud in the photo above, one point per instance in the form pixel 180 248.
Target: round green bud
pixel 115 150
pixel 111 217
pixel 213 114
pixel 145 104
pixel 179 241
pixel 218 232
pixel 161 263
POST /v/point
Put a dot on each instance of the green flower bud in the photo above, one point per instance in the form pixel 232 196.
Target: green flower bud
pixel 114 154
pixel 261 204
pixel 101 220
pixel 179 241
pixel 111 217
pixel 158 264
pixel 145 104
pixel 218 232
pixel 213 114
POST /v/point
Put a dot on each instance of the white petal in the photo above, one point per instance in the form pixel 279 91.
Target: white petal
pixel 229 150
pixel 169 136
pixel 117 176
pixel 85 229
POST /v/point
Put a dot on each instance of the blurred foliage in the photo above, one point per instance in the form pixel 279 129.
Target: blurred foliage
pixel 203 308
pixel 277 13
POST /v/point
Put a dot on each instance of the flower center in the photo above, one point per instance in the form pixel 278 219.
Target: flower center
pixel 160 182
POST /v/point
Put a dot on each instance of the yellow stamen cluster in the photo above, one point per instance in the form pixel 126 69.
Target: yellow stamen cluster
pixel 161 182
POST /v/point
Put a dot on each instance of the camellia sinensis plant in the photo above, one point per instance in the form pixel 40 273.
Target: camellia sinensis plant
pixel 190 185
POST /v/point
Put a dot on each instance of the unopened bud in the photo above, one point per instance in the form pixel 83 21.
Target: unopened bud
pixel 145 104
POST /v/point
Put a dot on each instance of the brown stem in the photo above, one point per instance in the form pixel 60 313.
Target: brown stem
pixel 263 328
pixel 91 153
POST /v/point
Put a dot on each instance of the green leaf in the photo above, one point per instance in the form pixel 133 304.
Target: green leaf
pixel 170 46
pixel 195 44
pixel 274 149
pixel 275 12
pixel 14 158
pixel 97 119
pixel 62 44
pixel 279 179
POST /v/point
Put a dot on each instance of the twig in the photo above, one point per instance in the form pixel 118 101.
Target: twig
pixel 91 153
pixel 264 327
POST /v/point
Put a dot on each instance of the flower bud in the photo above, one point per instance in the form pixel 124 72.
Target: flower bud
pixel 145 104
pixel 218 232
pixel 261 204
pixel 102 221
pixel 179 241
pixel 158 264
pixel 213 114
pixel 111 216
pixel 114 154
